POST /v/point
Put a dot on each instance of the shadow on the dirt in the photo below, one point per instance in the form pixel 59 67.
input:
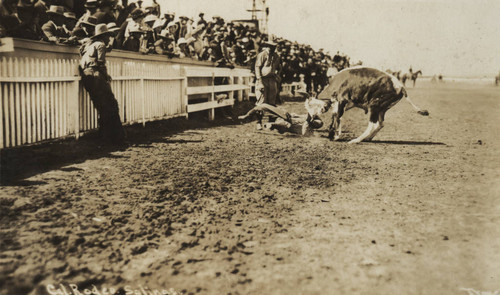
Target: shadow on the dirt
pixel 406 142
pixel 17 164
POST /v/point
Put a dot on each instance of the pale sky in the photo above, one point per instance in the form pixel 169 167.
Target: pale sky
pixel 452 37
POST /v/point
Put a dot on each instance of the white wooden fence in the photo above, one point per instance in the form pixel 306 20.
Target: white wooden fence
pixel 237 82
pixel 43 99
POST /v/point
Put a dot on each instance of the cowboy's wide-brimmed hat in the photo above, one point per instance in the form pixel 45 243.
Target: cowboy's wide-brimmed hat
pixel 90 20
pixel 159 23
pixel 136 13
pixel 269 43
pixel 91 3
pixel 56 10
pixel 112 27
pixel 70 15
pixel 105 3
pixel 172 24
pixel 101 30
pixel 25 3
pixel 150 18
pixel 181 41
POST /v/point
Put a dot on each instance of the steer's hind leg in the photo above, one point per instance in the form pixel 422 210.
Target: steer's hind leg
pixel 372 125
pixel 377 126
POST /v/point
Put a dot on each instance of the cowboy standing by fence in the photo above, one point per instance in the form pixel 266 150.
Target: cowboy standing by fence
pixel 267 74
pixel 96 81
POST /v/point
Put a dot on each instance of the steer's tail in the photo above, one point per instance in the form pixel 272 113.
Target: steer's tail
pixel 419 110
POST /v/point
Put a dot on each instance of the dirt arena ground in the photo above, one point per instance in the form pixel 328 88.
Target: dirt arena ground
pixel 223 209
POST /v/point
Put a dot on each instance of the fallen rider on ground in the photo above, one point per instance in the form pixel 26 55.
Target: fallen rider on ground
pixel 291 122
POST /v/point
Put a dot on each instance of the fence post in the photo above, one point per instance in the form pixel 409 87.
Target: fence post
pixel 184 88
pixel 231 82
pixel 143 98
pixel 74 107
pixel 211 112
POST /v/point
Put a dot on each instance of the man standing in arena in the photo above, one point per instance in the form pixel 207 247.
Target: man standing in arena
pixel 267 74
pixel 96 81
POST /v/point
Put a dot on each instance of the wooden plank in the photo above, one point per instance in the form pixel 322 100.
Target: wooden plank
pixel 12 101
pixel 209 105
pixel 5 98
pixel 196 72
pixel 184 92
pixel 143 101
pixel 17 103
pixel 6 45
pixel 200 90
pixel 1 116
pixel 24 121
pixel 230 87
pixel 211 112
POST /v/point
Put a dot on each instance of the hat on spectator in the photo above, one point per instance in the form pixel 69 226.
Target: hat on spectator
pixel 56 10
pixel 269 43
pixel 169 13
pixel 181 41
pixel 91 3
pixel 112 27
pixel 245 40
pixel 70 15
pixel 106 3
pixel 159 23
pixel 201 14
pixel 90 20
pixel 150 18
pixel 135 30
pixel 183 17
pixel 25 3
pixel 101 30
pixel 172 24
pixel 164 34
pixel 136 13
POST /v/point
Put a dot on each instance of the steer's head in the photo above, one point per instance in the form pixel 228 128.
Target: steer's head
pixel 314 106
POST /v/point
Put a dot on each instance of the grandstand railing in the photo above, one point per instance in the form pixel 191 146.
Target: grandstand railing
pixel 42 97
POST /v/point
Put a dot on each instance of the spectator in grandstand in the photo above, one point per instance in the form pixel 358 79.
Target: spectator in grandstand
pixel 124 12
pixel 133 41
pixel 85 29
pixel 131 23
pixel 54 30
pixel 70 22
pixel 169 17
pixel 91 9
pixel 96 80
pixel 9 19
pixel 113 29
pixel 104 13
pixel 154 9
pixel 183 27
pixel 165 44
pixel 267 74
pixel 29 26
pixel 201 20
pixel 41 8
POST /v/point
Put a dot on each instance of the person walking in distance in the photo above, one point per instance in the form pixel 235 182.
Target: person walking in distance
pixel 267 74
pixel 96 81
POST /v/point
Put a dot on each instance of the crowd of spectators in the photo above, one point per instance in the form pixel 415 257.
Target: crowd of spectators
pixel 147 30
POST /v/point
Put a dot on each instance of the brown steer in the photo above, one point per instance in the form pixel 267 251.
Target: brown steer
pixel 369 89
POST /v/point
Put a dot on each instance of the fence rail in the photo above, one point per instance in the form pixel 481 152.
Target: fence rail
pixel 43 99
